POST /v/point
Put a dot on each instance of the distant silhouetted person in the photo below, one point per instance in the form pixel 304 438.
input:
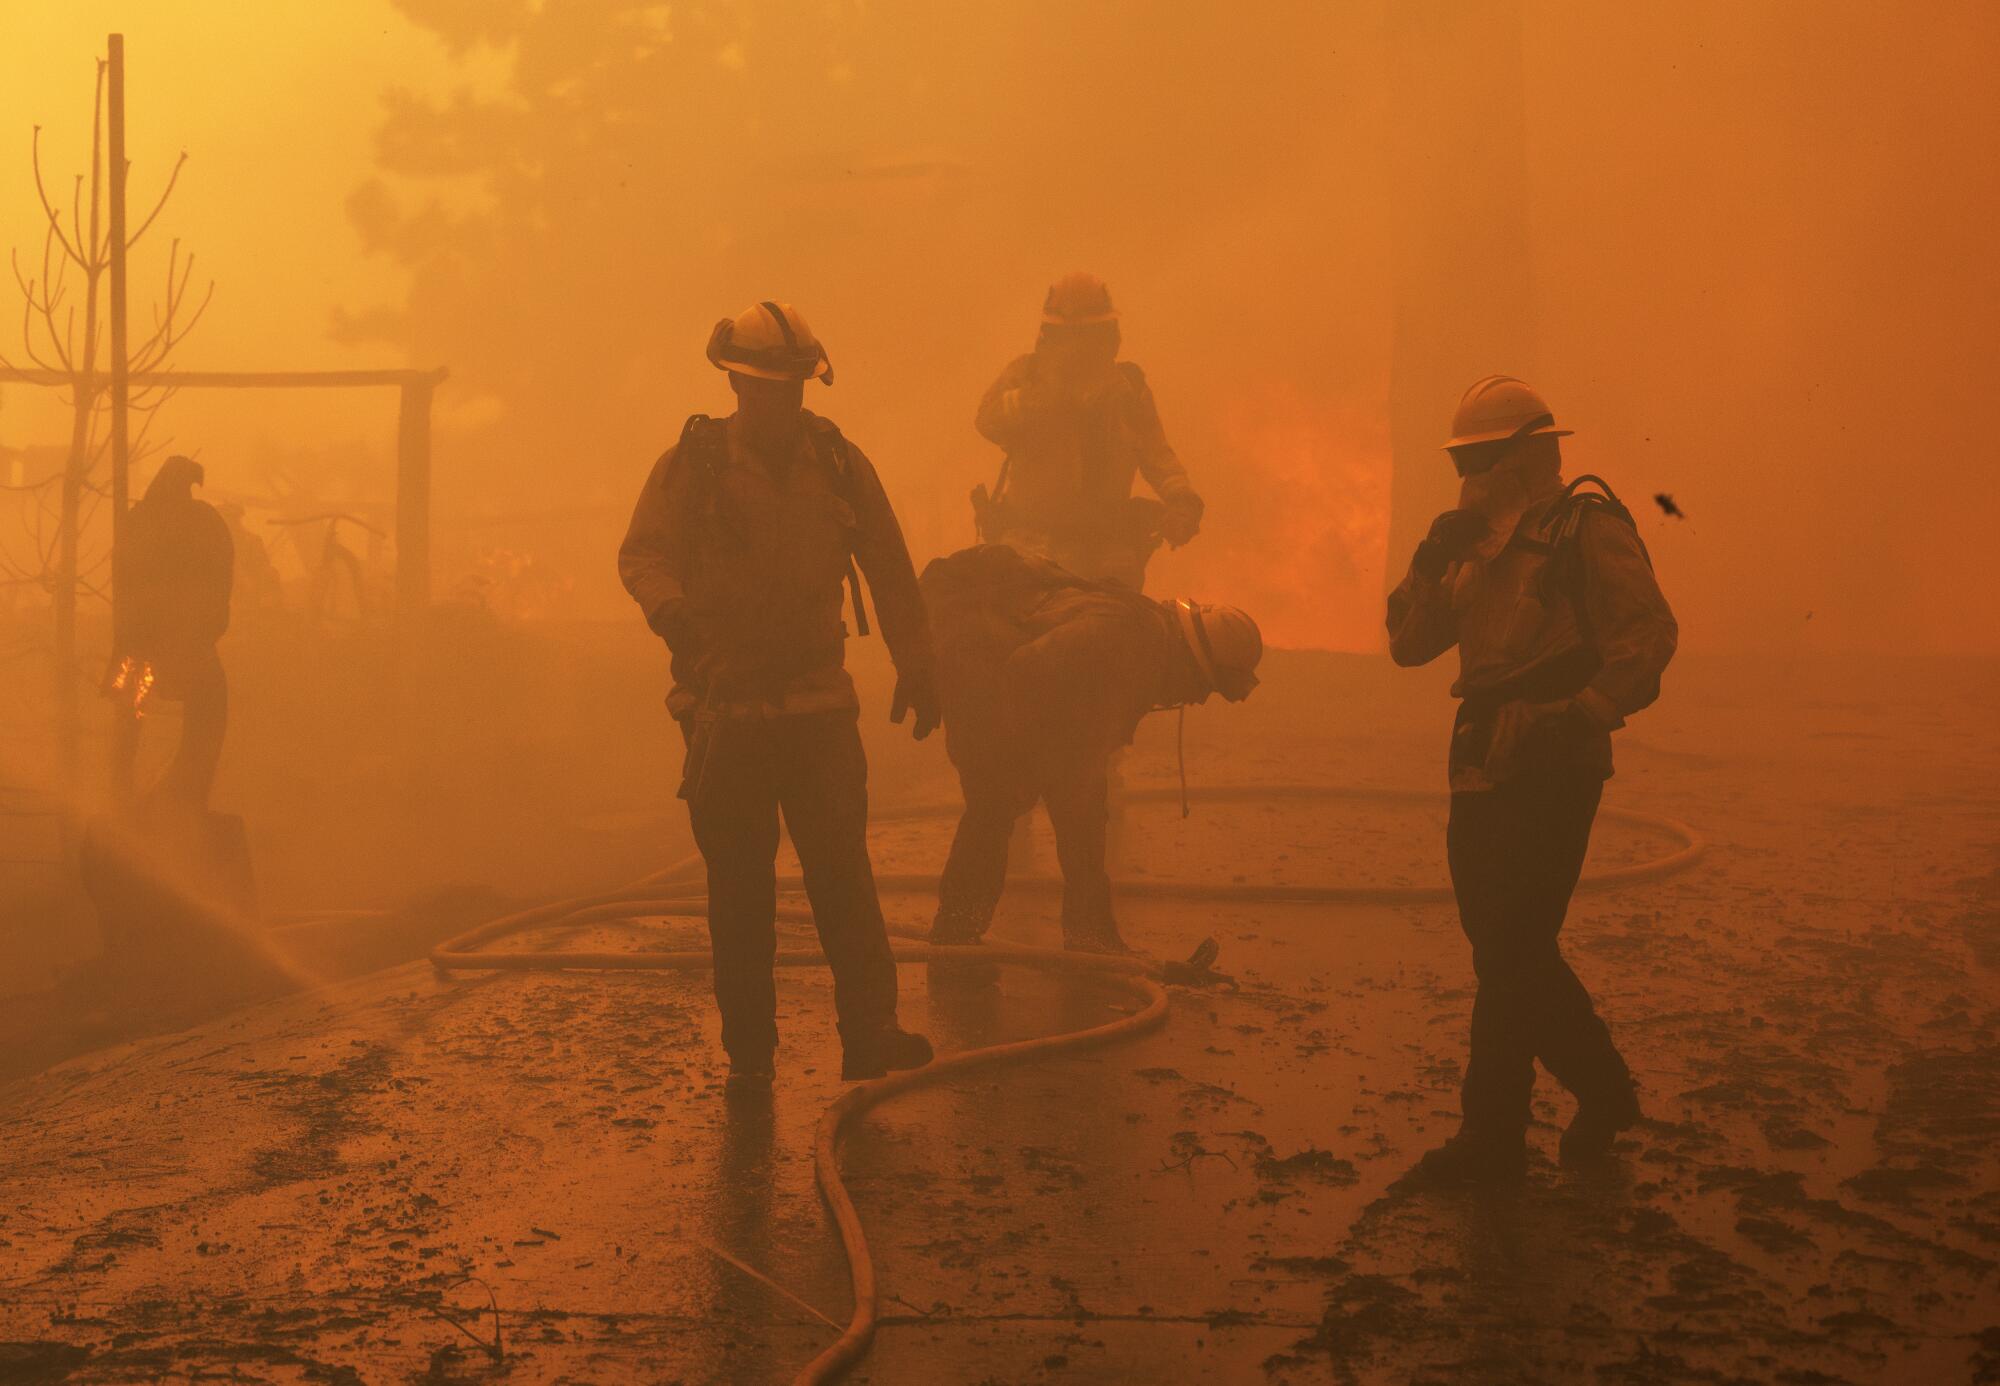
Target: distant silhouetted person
pixel 737 554
pixel 1077 425
pixel 1562 633
pixel 175 576
pixel 1045 676
pixel 259 588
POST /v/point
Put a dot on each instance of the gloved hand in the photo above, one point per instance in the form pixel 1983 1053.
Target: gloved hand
pixel 1183 519
pixel 1453 535
pixel 1515 727
pixel 916 691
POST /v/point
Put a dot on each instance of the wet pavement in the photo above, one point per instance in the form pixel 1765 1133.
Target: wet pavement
pixel 537 1178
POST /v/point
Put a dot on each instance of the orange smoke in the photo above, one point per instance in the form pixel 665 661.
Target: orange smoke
pixel 1298 516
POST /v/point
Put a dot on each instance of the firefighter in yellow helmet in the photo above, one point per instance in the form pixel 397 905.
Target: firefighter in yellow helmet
pixel 1077 426
pixel 742 549
pixel 1547 591
pixel 1045 676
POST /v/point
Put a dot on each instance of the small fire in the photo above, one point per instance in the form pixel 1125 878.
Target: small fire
pixel 135 676
pixel 1298 516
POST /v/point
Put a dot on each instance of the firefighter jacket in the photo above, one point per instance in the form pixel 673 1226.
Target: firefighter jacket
pixel 1070 464
pixel 741 561
pixel 1568 610
pixel 1037 666
pixel 175 576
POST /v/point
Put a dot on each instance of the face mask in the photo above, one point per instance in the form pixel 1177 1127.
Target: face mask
pixel 1500 496
pixel 1491 493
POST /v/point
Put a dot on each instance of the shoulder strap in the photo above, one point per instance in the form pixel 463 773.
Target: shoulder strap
pixel 705 442
pixel 831 448
pixel 1563 529
pixel 704 445
pixel 1566 516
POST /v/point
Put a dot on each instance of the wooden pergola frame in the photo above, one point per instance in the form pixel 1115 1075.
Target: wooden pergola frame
pixel 413 444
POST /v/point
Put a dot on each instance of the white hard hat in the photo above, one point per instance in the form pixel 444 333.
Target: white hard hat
pixel 770 341
pixel 1501 407
pixel 1225 643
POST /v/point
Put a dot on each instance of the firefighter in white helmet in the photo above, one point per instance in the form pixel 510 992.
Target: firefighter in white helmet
pixel 742 549
pixel 1548 593
pixel 1045 676
pixel 1077 426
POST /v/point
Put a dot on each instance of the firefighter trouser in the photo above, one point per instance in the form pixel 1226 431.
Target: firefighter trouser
pixel 976 871
pixel 1516 853
pixel 204 724
pixel 811 768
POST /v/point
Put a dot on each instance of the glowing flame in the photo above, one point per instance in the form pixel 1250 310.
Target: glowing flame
pixel 1298 520
pixel 135 677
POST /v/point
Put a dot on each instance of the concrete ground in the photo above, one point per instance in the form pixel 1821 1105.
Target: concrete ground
pixel 535 1178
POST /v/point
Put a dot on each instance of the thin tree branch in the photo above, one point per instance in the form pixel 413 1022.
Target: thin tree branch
pixel 52 279
pixel 165 193
pixel 55 217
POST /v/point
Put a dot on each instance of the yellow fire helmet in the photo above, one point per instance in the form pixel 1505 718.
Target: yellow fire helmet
pixel 1500 407
pixel 771 341
pixel 1225 643
pixel 1077 299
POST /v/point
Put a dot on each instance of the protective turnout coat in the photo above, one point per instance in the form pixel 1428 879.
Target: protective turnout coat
pixel 758 548
pixel 176 572
pixel 1036 665
pixel 1567 609
pixel 1071 465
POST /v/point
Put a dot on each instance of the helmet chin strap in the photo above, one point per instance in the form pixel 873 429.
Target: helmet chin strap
pixel 1179 710
pixel 1183 699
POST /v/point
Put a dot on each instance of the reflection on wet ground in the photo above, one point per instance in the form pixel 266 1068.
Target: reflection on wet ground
pixel 537 1177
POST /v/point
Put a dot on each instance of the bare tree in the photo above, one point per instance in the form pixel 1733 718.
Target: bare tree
pixel 60 509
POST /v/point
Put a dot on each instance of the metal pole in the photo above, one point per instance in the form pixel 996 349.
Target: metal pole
pixel 121 458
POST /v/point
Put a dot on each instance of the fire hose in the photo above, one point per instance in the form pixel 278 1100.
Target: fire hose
pixel 674 893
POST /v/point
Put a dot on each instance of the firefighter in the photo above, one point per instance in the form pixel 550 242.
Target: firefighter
pixel 1045 676
pixel 175 576
pixel 1547 591
pixel 1077 424
pixel 260 591
pixel 742 545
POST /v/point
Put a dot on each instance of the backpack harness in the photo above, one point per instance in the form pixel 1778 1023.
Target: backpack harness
pixel 1563 544
pixel 705 443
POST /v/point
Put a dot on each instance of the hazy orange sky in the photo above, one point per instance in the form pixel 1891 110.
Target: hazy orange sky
pixel 1756 257
pixel 275 104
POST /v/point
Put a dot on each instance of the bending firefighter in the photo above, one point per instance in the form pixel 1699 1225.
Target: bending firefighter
pixel 1077 424
pixel 1045 675
pixel 742 543
pixel 1562 633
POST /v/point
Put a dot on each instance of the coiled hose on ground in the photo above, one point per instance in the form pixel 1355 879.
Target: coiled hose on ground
pixel 675 893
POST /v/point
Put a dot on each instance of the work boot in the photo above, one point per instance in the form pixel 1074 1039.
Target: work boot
pixel 878 1052
pixel 1475 1157
pixel 1596 1125
pixel 957 927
